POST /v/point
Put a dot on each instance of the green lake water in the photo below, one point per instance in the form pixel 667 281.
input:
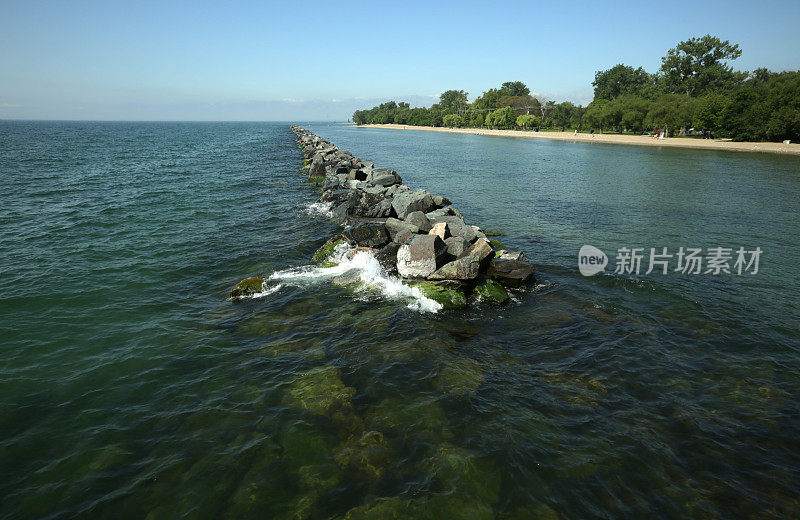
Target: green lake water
pixel 131 387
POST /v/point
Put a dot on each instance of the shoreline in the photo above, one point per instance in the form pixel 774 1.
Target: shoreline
pixel 634 140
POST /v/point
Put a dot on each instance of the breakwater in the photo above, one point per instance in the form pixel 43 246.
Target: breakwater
pixel 415 235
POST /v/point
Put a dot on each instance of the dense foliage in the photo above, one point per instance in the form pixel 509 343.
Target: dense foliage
pixel 695 89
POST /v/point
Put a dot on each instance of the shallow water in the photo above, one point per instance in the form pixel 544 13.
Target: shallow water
pixel 131 387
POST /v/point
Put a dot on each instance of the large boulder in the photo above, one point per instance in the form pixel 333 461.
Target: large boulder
pixel 317 168
pixel 387 257
pixel 397 227
pixel 456 225
pixel 385 180
pixel 420 258
pixel 512 273
pixel 409 201
pixel 418 218
pixel 367 234
pixel 371 205
pixel 456 246
pixel 466 268
pixel 480 250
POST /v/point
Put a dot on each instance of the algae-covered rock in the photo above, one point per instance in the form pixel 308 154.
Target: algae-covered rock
pixel 391 508
pixel 496 244
pixel 319 478
pixel 319 391
pixel 534 512
pixel 492 292
pixel 463 471
pixel 458 506
pixel 367 456
pixel 460 377
pixel 293 348
pixel 422 417
pixel 303 445
pixel 323 253
pixel 247 287
pixel 448 298
pixel 315 181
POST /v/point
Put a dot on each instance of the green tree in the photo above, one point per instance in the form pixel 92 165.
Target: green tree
pixel 452 120
pixel 699 65
pixel 597 114
pixel 563 114
pixel 527 121
pixel 452 101
pixel 489 99
pixel 709 112
pixel 620 80
pixel 504 117
pixel 515 88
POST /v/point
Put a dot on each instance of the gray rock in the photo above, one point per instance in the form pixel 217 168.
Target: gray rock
pixel 457 226
pixel 371 205
pixel 480 250
pixel 367 234
pixel 387 257
pixel 466 268
pixel 356 175
pixel 419 258
pixel 441 201
pixel 410 201
pixel 385 180
pixel 456 246
pixel 317 168
pixel 349 277
pixel 512 273
pixel 418 218
pixel 396 227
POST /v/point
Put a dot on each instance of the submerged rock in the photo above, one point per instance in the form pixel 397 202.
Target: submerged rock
pixel 446 295
pixel 247 287
pixel 492 292
pixel 319 391
pixel 367 456
pixel 463 471
pixel 461 377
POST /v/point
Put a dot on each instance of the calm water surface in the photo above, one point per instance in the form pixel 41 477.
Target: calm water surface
pixel 131 388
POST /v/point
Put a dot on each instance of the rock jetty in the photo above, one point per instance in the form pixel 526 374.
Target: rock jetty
pixel 414 234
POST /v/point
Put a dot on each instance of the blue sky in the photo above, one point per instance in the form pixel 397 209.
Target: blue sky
pixel 311 60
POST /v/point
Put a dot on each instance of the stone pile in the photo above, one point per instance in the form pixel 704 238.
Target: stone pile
pixel 414 234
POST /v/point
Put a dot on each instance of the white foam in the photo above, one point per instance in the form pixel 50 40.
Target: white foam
pixel 373 278
pixel 320 209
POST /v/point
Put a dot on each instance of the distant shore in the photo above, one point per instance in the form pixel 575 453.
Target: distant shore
pixel 637 140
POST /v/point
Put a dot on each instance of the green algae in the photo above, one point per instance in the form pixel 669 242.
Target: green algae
pixel 456 506
pixel 390 508
pixel 447 298
pixel 534 512
pixel 319 478
pixel 247 287
pixel 305 445
pixel 462 471
pixel 295 348
pixel 315 181
pixel 324 252
pixel 492 292
pixel 421 417
pixel 366 457
pixel 580 389
pixel 319 391
pixel 496 244
pixel 461 377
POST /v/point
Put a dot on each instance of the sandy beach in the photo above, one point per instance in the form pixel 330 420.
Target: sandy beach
pixel 638 140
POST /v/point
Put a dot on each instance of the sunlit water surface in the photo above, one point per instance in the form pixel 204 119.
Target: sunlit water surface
pixel 132 388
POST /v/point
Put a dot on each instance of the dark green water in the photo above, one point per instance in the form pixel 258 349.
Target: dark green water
pixel 131 388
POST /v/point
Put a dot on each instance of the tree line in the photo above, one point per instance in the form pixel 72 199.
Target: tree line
pixel 695 91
